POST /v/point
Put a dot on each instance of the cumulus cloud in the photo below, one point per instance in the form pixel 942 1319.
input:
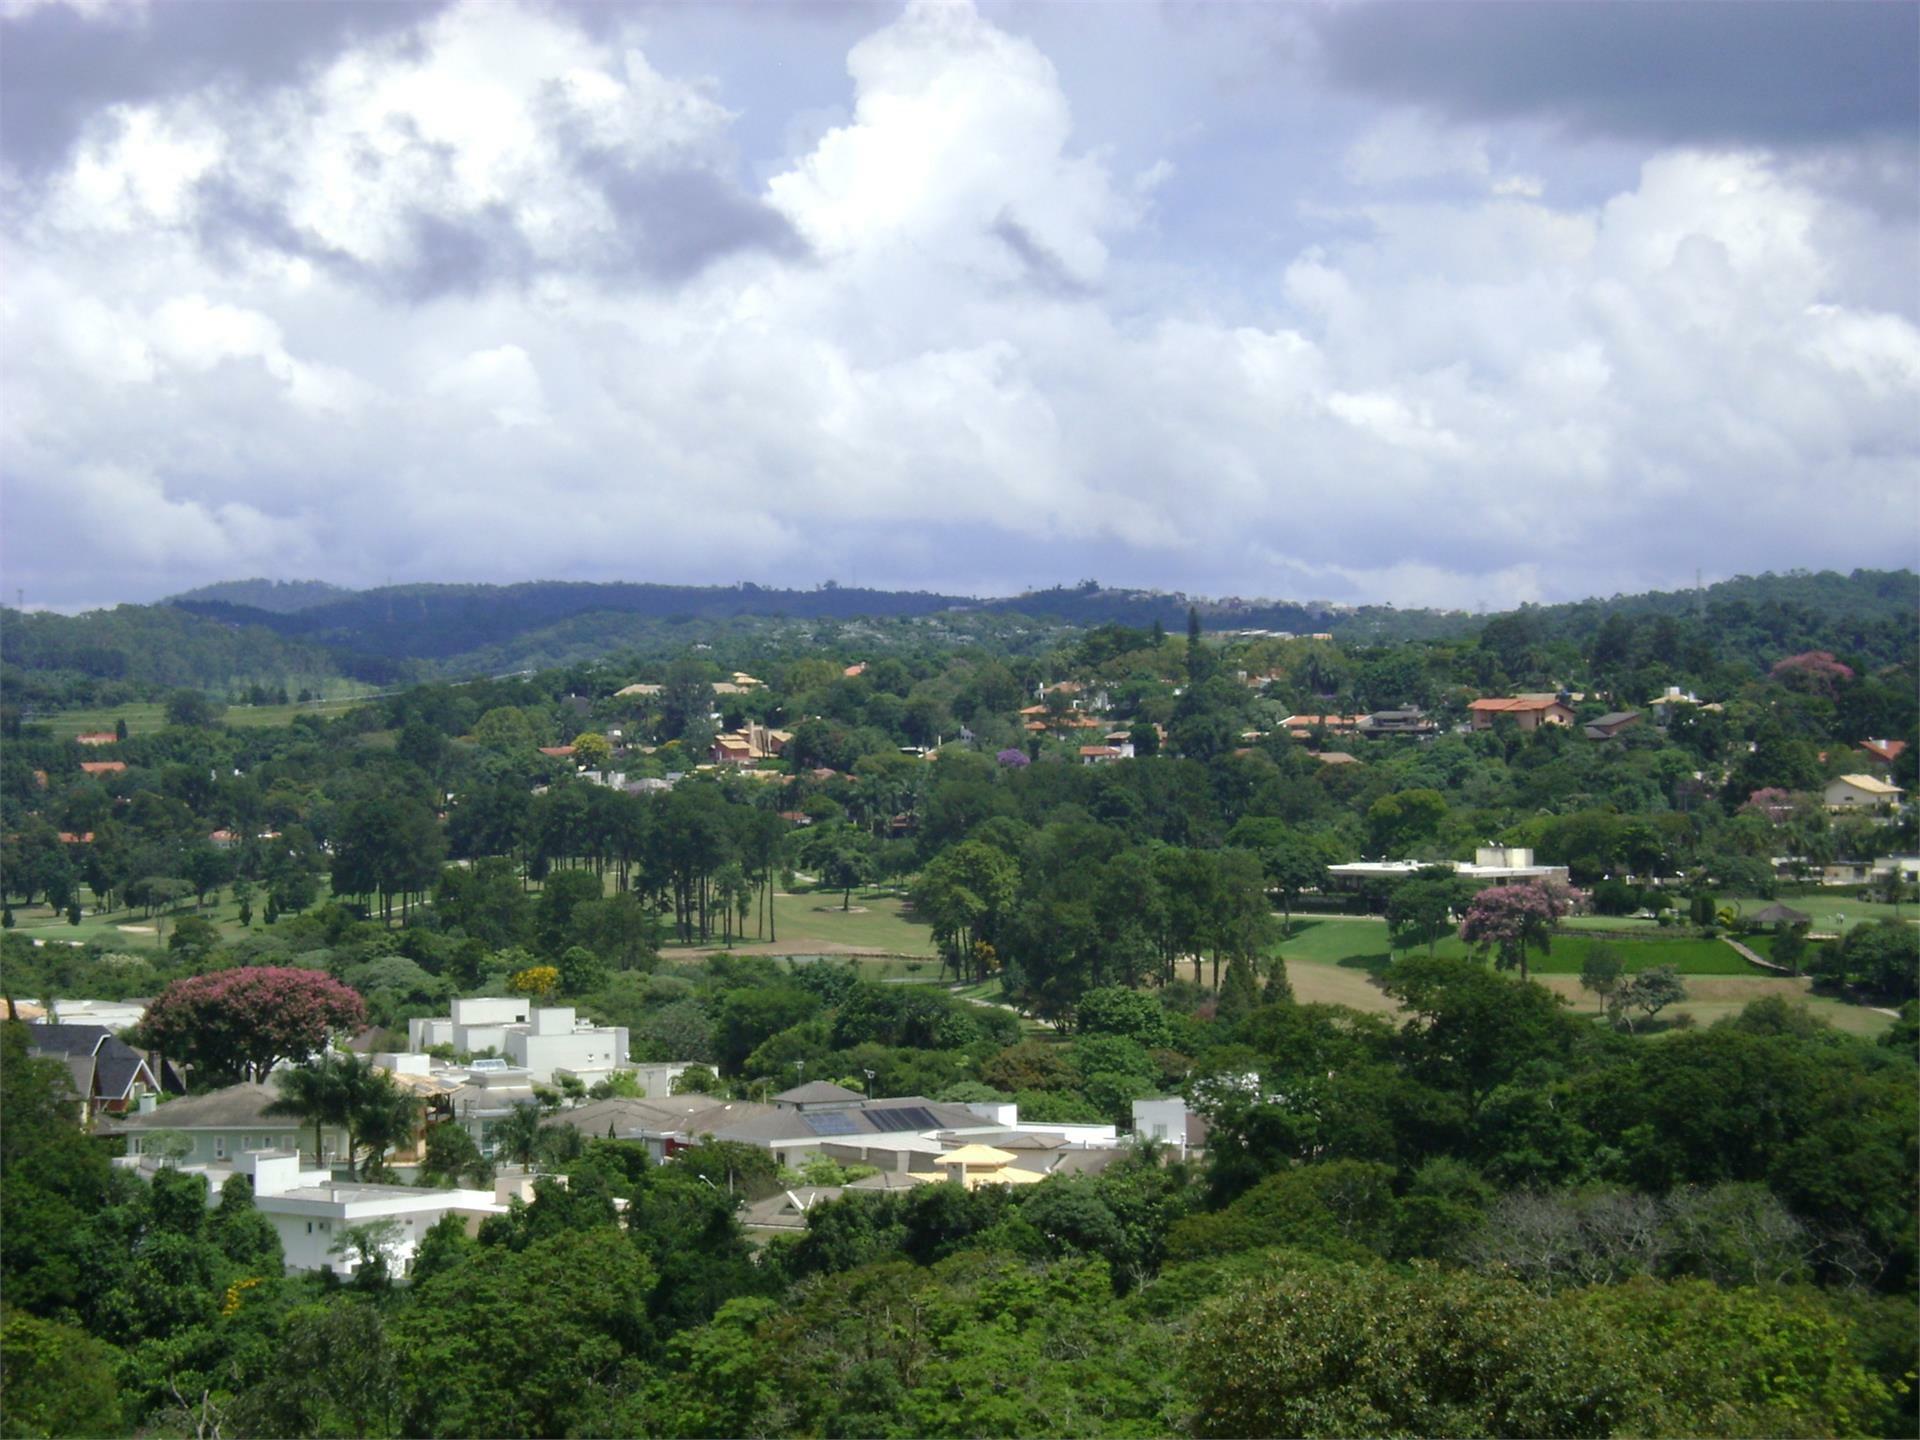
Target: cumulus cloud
pixel 484 300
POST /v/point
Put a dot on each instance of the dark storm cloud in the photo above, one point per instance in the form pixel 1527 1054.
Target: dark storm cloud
pixel 58 67
pixel 674 223
pixel 1680 71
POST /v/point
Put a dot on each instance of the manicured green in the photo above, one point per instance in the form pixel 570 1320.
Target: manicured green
pixel 145 719
pixel 813 923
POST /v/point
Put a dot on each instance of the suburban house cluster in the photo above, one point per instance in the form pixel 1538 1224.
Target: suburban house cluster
pixel 474 1066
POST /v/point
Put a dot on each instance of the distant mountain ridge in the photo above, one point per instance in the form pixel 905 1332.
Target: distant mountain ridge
pixel 276 597
pixel 216 637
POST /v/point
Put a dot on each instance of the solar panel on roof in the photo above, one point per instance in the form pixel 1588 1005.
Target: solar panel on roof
pixel 902 1117
pixel 831 1122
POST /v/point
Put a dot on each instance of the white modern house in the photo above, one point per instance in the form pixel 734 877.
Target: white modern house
pixel 541 1040
pixel 1167 1121
pixel 310 1212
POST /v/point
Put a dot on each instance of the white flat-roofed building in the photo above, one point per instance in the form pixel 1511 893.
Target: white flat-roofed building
pixel 537 1039
pixel 311 1214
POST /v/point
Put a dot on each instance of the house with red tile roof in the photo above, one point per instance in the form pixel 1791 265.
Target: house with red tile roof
pixel 1529 712
pixel 104 767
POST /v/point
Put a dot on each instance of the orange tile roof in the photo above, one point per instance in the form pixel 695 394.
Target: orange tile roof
pixel 1517 703
pixel 103 767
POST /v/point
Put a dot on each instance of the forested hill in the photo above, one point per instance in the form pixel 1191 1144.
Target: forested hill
pixel 277 597
pixel 1755 620
pixel 441 622
pixel 49 660
pixel 292 634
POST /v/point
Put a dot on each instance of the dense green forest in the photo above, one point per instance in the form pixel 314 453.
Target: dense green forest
pixel 1466 1206
pixel 296 636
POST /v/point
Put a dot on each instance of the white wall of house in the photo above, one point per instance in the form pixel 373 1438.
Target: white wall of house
pixel 309 1220
pixel 1162 1119
pixel 219 1146
pixel 490 1010
pixel 577 1051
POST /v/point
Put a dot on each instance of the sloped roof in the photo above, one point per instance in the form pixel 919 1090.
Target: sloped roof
pixel 109 1064
pixel 977 1155
pixel 895 1180
pixel 817 1092
pixel 1517 703
pixel 1872 784
pixel 234 1108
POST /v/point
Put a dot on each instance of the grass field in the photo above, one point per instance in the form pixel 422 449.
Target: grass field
pixel 145 719
pixel 134 930
pixel 1362 944
pixel 814 924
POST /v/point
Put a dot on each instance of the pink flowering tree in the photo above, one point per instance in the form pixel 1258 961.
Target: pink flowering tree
pixel 1812 670
pixel 239 1022
pixel 1509 920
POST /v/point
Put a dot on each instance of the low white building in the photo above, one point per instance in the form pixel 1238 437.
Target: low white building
pixel 310 1212
pixel 116 1015
pixel 1499 863
pixel 1166 1120
pixel 538 1039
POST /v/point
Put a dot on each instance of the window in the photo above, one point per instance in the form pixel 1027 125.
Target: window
pixel 219 1147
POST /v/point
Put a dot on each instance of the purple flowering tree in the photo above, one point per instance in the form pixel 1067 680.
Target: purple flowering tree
pixel 1013 759
pixel 1509 920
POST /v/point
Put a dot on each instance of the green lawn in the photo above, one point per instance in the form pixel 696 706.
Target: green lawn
pixel 814 924
pixel 134 930
pixel 145 719
pixel 1361 944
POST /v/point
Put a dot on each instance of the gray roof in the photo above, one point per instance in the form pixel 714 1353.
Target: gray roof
pixel 705 1115
pixel 235 1108
pixel 817 1092
pixel 1009 1140
pixel 1075 1162
pixel 854 1124
pixel 888 1180
pixel 99 1063
pixel 777 1212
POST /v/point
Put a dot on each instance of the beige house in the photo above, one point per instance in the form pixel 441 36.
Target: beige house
pixel 1529 712
pixel 1861 793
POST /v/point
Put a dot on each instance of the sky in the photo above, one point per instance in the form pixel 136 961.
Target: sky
pixel 1423 303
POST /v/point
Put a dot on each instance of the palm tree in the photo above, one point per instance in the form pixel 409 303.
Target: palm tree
pixel 384 1118
pixel 518 1136
pixel 320 1092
